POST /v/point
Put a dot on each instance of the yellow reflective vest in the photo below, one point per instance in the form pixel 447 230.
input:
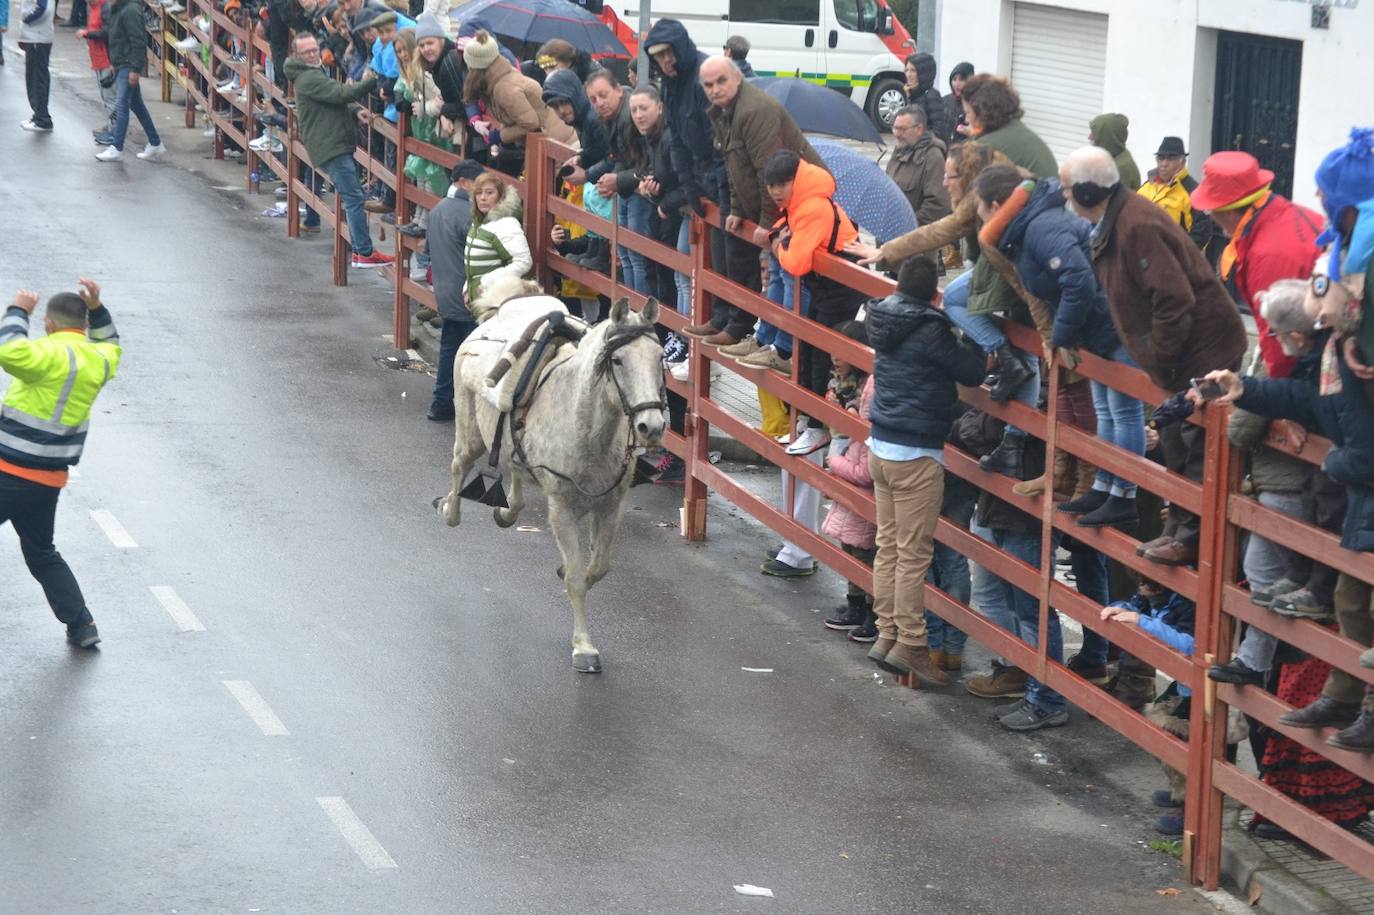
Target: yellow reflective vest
pixel 55 380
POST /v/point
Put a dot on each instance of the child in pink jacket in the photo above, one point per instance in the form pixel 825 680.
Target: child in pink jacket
pixel 856 536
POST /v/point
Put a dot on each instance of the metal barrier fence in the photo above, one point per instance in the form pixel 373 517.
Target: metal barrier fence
pixel 1224 512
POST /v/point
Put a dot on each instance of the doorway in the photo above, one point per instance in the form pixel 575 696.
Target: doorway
pixel 1257 101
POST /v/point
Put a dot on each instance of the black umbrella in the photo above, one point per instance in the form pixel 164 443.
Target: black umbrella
pixel 817 109
pixel 538 21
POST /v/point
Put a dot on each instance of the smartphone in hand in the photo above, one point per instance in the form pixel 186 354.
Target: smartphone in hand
pixel 1207 390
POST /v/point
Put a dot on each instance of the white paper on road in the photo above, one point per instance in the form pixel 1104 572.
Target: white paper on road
pixel 748 889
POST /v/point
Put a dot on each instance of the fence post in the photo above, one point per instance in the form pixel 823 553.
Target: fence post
pixel 1047 544
pixel 166 78
pixel 1203 807
pixel 401 266
pixel 696 429
pixel 536 205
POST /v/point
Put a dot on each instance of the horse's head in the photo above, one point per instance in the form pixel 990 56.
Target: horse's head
pixel 632 358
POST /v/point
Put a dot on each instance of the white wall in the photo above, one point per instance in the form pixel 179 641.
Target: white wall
pixel 1161 63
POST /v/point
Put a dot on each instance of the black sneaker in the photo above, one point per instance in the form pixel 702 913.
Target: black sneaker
pixel 440 414
pixel 1165 798
pixel 1093 673
pixel 1236 671
pixel 867 633
pixel 847 618
pixel 83 635
pixel 674 474
pixel 779 569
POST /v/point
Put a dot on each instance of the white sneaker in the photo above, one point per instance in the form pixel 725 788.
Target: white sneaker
pixel 153 153
pixel 262 142
pixel 811 439
pixel 189 43
pixel 30 126
pixel 110 154
pixel 228 88
pixel 209 132
pixel 175 8
pixel 680 371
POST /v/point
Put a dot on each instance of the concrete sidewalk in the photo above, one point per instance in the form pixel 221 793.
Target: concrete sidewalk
pixel 1289 877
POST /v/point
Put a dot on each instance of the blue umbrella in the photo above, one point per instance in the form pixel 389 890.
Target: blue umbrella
pixel 866 193
pixel 537 21
pixel 817 109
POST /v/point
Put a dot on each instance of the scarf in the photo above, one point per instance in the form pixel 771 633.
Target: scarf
pixel 1256 203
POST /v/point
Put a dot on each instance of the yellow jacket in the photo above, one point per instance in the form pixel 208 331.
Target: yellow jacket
pixel 56 378
pixel 1172 197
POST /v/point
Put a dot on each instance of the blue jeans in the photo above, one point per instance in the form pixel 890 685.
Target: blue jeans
pixel 343 174
pixel 987 333
pixel 130 98
pixel 312 218
pixel 1090 572
pixel 1265 563
pixel 990 593
pixel 634 267
pixel 948 572
pixel 684 282
pixel 781 289
pixel 1121 421
pixel 1026 609
pixel 450 338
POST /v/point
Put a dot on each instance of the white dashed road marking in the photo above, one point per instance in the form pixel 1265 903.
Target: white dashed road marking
pixel 256 707
pixel 113 529
pixel 364 844
pixel 176 608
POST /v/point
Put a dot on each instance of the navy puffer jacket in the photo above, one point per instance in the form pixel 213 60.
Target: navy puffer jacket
pixel 700 167
pixel 916 362
pixel 1347 419
pixel 1053 256
pixel 591 133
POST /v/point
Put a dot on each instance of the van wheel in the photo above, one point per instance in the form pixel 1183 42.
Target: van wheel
pixel 885 99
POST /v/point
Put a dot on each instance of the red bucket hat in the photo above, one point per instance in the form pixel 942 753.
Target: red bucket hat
pixel 1228 177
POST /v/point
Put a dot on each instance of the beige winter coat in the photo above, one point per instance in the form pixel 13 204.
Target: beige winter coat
pixel 516 103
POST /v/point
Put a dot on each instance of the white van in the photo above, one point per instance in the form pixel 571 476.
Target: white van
pixel 856 47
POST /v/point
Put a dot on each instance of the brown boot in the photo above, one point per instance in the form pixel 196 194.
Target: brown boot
pixel 1134 683
pixel 937 657
pixel 1002 683
pixel 884 644
pixel 914 660
pixel 950 662
pixel 1031 487
pixel 1087 473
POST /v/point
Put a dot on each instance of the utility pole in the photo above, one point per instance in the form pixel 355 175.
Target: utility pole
pixel 928 26
pixel 643 49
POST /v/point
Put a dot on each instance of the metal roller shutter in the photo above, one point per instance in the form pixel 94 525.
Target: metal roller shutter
pixel 1058 65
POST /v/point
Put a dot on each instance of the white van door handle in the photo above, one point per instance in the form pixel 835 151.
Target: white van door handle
pixel 810 38
pixel 834 38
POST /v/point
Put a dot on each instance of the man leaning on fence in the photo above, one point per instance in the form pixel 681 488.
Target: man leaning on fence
pixel 326 113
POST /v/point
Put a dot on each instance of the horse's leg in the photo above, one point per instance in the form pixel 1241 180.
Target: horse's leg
pixel 605 524
pixel 467 448
pixel 566 530
pixel 515 500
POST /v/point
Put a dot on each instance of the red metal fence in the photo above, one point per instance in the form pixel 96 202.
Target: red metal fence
pixel 1224 512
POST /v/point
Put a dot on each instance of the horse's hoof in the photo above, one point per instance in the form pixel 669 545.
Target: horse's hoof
pixel 559 573
pixel 437 500
pixel 499 516
pixel 448 513
pixel 587 663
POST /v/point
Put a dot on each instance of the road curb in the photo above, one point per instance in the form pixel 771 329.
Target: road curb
pixel 426 341
pixel 1247 868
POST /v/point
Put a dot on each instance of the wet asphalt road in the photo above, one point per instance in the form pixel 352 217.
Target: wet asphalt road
pixel 277 483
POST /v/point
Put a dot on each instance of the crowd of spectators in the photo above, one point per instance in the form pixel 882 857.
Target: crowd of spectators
pixel 1149 274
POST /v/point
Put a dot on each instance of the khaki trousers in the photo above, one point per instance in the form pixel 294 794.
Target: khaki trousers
pixel 908 496
pixel 1355 615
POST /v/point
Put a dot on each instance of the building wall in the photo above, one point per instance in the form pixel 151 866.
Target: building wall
pixel 1161 63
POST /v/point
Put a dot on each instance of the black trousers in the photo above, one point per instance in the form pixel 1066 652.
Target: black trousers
pixel 32 509
pixel 740 261
pixel 37 80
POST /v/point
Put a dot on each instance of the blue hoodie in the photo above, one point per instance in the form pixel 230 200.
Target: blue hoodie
pixel 700 167
pixel 591 133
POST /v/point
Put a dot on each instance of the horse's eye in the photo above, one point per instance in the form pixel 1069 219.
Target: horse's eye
pixel 616 360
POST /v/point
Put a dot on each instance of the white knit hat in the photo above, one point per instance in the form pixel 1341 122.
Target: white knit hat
pixel 479 54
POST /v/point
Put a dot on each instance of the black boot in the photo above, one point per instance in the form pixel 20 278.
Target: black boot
pixel 1358 737
pixel 1117 511
pixel 1008 458
pixel 1012 372
pixel 849 617
pixel 598 256
pixel 1091 500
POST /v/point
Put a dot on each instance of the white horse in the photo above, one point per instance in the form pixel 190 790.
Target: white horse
pixel 575 441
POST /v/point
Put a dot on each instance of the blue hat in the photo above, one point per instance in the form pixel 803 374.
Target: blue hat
pixel 1346 179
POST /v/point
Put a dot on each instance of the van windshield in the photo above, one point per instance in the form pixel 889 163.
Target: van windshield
pixel 857 15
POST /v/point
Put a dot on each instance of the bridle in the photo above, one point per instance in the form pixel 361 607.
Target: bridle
pixel 618 338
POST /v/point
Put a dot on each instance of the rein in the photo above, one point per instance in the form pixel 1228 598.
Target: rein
pixel 616 339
